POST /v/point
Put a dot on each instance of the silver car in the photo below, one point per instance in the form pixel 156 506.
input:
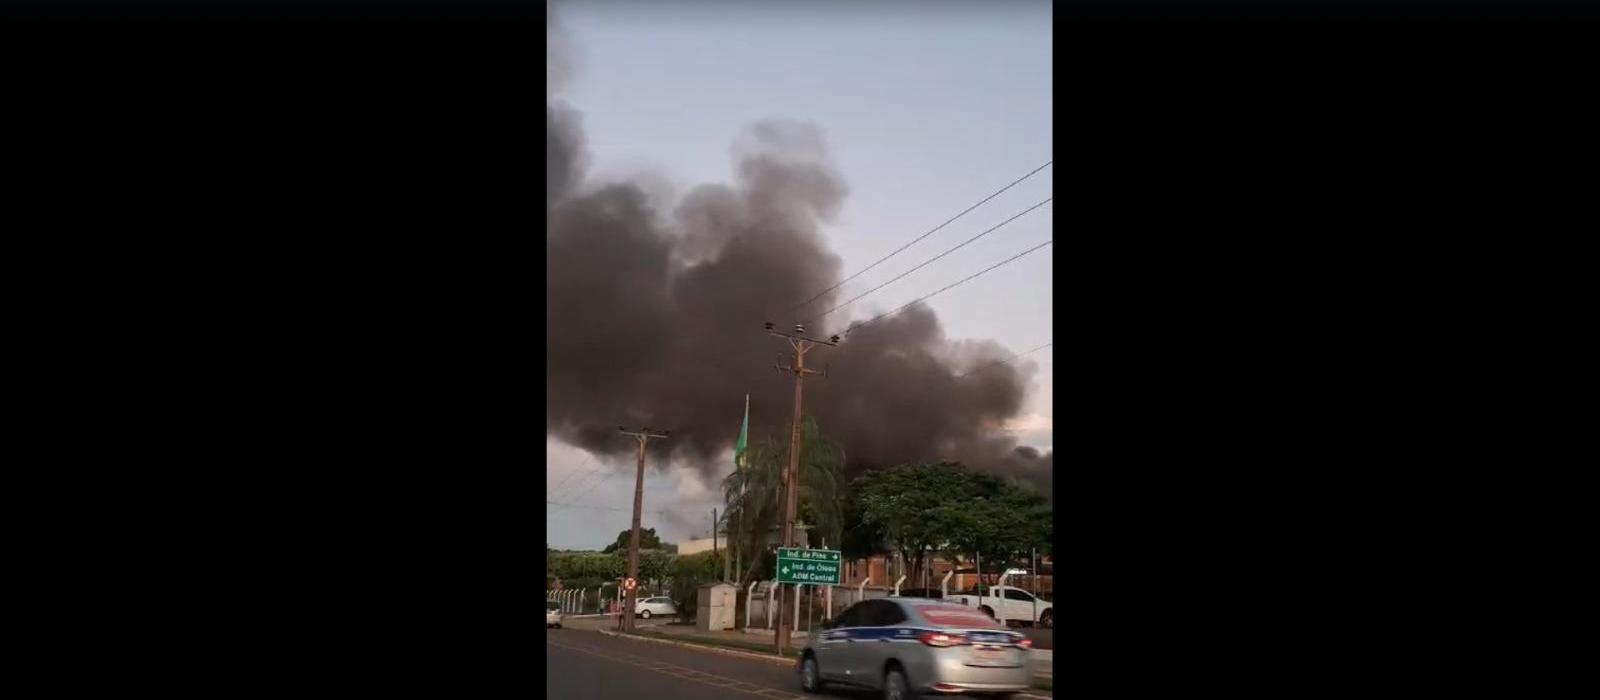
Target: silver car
pixel 910 646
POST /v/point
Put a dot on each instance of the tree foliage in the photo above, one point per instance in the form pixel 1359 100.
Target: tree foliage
pixel 753 494
pixel 861 539
pixel 585 569
pixel 655 565
pixel 951 509
pixel 689 572
pixel 647 540
pixel 591 569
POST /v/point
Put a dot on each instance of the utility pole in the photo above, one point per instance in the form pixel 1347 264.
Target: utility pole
pixel 739 467
pixel 791 476
pixel 643 436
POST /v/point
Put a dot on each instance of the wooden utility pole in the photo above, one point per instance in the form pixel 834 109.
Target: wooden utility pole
pixel 643 436
pixel 791 476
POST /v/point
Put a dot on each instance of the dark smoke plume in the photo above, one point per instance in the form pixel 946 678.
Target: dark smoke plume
pixel 655 320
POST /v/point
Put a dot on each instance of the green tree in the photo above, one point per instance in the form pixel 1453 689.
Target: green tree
pixel 861 538
pixel 897 502
pixel 1002 523
pixel 647 540
pixel 573 568
pixel 752 494
pixel 688 574
pixel 1022 522
pixel 655 565
pixel 949 508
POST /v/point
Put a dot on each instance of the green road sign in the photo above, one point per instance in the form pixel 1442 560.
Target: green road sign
pixel 811 566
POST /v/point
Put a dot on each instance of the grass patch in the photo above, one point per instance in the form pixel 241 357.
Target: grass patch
pixel 1040 683
pixel 741 645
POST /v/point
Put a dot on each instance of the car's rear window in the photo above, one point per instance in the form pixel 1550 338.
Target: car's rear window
pixel 552 606
pixel 956 616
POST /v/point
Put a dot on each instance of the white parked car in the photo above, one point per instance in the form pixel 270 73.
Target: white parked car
pixel 1016 604
pixel 552 614
pixel 650 607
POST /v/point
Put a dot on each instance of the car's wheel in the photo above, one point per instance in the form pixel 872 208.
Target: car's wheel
pixel 1047 619
pixel 644 614
pixel 987 611
pixel 810 675
pixel 896 686
pixel 558 625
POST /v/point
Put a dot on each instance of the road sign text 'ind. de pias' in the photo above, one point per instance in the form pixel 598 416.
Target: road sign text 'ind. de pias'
pixel 812 566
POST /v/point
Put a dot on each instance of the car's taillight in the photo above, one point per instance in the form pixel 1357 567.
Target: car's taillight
pixel 1025 643
pixel 940 639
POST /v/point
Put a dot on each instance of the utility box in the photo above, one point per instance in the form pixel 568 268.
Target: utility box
pixel 715 606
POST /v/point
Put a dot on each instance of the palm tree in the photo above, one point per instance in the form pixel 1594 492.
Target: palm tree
pixel 752 493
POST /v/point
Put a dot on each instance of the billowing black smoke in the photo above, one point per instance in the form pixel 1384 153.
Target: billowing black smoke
pixel 655 319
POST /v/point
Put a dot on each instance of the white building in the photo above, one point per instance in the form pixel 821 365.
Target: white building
pixel 697 546
pixel 703 544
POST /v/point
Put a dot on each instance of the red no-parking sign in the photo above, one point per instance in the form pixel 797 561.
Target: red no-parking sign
pixel 628 584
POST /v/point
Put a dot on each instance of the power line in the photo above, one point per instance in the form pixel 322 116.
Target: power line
pixel 587 476
pixel 591 481
pixel 592 484
pixel 874 319
pixel 589 457
pixel 929 261
pixel 1008 360
pixel 935 229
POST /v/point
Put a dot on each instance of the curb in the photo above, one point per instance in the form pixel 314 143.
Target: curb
pixel 707 647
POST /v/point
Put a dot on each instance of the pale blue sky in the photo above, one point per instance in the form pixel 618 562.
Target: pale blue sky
pixel 927 109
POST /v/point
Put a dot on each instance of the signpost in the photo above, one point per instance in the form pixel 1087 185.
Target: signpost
pixel 628 584
pixel 810 566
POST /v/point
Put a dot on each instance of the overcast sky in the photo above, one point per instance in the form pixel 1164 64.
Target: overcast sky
pixel 927 109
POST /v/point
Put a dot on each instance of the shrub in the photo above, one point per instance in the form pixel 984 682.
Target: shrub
pixel 689 573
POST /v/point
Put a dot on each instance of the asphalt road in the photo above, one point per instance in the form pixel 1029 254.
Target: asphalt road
pixel 1043 637
pixel 587 664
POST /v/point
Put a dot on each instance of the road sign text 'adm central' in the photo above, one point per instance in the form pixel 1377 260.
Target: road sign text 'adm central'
pixel 813 566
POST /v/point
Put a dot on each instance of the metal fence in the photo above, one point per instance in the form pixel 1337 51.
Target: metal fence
pixel 579 601
pixel 814 606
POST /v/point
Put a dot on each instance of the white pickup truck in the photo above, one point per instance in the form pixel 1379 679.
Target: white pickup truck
pixel 1014 603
